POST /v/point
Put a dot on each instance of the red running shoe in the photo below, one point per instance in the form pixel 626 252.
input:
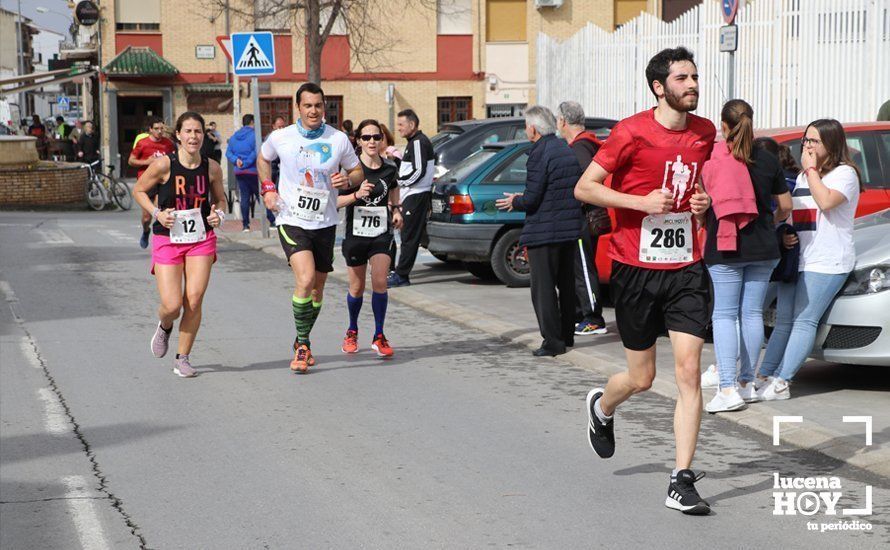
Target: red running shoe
pixel 302 359
pixel 381 346
pixel 350 343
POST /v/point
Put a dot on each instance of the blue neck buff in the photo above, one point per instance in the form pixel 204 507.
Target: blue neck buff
pixel 310 134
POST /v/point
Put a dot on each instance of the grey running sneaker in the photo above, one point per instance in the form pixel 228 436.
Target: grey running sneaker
pixel 160 342
pixel 183 368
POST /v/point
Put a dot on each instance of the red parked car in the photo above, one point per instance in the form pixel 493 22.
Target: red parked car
pixel 869 144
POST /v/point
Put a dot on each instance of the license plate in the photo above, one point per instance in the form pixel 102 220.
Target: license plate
pixel 438 206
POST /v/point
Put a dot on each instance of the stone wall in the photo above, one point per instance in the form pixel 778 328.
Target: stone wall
pixel 49 184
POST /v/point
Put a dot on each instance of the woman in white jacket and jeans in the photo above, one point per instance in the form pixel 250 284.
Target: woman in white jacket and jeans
pixel 824 201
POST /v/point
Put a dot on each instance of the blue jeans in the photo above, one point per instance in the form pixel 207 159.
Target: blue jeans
pixel 799 308
pixel 738 296
pixel 249 193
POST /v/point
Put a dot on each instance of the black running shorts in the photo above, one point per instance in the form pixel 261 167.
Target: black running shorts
pixel 650 301
pixel 358 250
pixel 320 241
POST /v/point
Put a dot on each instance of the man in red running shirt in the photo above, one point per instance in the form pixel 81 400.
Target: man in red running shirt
pixel 658 282
pixel 144 153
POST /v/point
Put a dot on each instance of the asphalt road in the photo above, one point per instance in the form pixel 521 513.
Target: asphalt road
pixel 460 441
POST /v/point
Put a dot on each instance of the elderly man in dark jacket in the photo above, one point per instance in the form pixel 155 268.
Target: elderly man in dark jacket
pixel 553 223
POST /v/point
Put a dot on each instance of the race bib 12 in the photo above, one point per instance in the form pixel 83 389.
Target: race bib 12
pixel 188 227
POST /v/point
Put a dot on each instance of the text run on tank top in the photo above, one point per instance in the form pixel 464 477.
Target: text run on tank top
pixel 185 189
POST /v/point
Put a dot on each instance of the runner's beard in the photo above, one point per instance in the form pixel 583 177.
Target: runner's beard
pixel 676 101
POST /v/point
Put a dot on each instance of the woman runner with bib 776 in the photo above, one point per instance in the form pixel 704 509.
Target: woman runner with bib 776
pixel 184 244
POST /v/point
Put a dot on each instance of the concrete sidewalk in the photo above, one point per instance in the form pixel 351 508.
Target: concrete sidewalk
pixel 823 393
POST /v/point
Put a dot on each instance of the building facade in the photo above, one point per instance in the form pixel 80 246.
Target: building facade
pixel 448 60
pixel 161 57
pixel 46 46
pixel 11 112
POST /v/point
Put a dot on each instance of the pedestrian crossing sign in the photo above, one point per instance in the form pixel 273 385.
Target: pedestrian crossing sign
pixel 253 53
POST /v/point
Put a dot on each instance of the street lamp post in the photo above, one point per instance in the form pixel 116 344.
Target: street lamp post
pixel 21 60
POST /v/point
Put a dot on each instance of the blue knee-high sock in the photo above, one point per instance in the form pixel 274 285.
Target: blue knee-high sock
pixel 378 304
pixel 355 306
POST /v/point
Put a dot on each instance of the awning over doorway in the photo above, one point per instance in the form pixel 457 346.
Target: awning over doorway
pixel 139 61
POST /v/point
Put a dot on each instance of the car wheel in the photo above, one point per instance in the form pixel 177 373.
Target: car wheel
pixel 509 261
pixel 481 270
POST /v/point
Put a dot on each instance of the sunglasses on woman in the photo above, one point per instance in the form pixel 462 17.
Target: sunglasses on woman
pixel 369 137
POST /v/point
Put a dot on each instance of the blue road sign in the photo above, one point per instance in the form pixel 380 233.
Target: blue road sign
pixel 64 104
pixel 729 8
pixel 253 53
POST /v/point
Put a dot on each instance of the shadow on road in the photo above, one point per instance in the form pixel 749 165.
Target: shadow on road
pixel 32 446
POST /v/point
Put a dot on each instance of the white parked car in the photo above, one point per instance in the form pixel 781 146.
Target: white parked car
pixel 856 328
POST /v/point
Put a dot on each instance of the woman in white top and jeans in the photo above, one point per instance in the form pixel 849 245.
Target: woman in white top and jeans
pixel 824 201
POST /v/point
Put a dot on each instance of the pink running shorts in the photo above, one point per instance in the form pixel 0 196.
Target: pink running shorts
pixel 166 253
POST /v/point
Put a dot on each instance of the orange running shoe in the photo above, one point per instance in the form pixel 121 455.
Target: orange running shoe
pixel 350 343
pixel 381 346
pixel 302 359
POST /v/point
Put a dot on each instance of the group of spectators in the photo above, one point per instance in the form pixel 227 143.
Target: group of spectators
pixel 59 140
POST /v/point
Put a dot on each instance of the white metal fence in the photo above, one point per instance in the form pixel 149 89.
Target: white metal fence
pixel 797 60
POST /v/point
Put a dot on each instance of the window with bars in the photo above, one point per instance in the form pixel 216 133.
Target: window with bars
pixel 453 109
pixel 333 110
pixel 272 108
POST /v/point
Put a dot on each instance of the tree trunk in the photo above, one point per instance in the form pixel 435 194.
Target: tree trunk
pixel 313 41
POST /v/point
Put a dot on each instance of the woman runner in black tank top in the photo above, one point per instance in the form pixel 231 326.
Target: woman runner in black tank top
pixel 185 189
pixel 191 202
pixel 369 236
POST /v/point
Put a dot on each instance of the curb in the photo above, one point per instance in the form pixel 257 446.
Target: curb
pixel 758 418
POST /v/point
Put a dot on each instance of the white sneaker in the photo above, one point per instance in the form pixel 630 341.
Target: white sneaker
pixel 760 383
pixel 748 393
pixel 710 378
pixel 776 390
pixel 725 403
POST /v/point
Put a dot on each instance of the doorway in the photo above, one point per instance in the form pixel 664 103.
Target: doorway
pixel 132 120
pixel 273 107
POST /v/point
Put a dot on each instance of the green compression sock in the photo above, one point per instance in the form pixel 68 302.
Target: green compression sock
pixel 304 318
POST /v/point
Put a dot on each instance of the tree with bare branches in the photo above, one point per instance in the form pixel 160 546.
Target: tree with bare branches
pixel 360 20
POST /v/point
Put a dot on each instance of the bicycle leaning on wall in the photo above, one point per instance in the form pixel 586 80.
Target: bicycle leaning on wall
pixel 103 189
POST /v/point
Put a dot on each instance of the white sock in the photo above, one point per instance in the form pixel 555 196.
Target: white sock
pixel 599 412
pixel 674 474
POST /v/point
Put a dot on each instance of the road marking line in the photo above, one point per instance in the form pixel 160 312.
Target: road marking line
pixel 83 513
pixel 55 419
pixel 53 236
pixel 29 353
pixel 11 301
pixel 117 234
pixel 8 294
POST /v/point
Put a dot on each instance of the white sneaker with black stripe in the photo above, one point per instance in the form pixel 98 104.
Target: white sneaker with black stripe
pixel 776 390
pixel 682 495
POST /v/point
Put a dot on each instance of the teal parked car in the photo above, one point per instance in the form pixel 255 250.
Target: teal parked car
pixel 466 225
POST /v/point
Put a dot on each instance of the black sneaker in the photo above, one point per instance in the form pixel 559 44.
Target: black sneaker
pixel 601 436
pixel 683 496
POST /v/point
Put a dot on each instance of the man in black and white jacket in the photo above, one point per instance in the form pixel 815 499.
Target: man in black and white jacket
pixel 415 182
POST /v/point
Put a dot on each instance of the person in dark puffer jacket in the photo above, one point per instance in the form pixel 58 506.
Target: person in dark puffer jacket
pixel 553 224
